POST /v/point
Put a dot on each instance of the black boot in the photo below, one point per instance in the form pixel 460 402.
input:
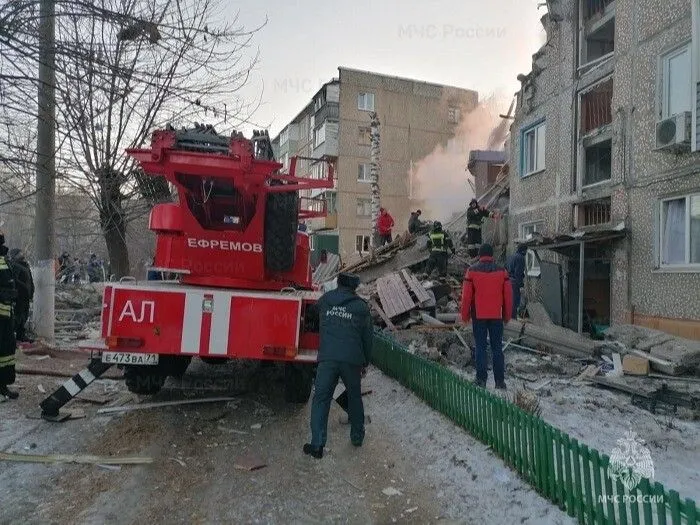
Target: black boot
pixel 316 452
pixel 10 394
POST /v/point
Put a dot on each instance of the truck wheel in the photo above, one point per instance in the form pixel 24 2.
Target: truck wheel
pixel 281 225
pixel 144 380
pixel 298 381
pixel 177 366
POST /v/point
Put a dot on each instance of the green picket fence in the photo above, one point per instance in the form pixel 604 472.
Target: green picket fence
pixel 568 473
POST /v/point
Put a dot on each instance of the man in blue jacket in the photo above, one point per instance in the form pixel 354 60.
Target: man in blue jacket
pixel 344 352
pixel 516 271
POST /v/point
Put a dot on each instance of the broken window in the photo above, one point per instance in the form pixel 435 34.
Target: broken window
pixel 597 165
pixel 593 213
pixel 364 207
pixel 680 231
pixel 364 135
pixel 532 265
pixel 596 107
pixel 362 243
pixel 598 29
pixel 453 115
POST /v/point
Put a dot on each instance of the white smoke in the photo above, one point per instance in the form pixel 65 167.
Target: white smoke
pixel 439 181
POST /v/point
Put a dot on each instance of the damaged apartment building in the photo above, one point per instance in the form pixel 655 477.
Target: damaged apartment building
pixel 605 165
pixel 414 117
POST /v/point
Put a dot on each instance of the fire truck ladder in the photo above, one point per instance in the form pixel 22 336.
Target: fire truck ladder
pixel 51 406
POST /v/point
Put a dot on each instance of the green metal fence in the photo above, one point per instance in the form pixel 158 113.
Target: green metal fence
pixel 570 474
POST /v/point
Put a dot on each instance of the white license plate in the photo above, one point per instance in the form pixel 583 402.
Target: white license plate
pixel 129 358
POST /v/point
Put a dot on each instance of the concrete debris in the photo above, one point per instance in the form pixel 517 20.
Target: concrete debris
pixel 391 491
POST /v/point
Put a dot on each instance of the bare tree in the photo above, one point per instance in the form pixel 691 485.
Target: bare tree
pixel 374 169
pixel 123 68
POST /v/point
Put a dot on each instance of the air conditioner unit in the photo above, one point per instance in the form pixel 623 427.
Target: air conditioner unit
pixel 673 133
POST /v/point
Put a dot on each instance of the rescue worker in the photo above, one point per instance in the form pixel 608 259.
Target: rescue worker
pixel 516 271
pixel 344 352
pixel 475 217
pixel 414 222
pixel 385 223
pixel 487 299
pixel 8 345
pixel 24 284
pixel 439 242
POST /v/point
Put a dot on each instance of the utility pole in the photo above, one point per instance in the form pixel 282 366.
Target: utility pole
pixel 46 175
pixel 374 176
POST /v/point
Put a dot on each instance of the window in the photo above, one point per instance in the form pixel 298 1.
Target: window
pixel 364 207
pixel 363 172
pixel 365 101
pixel 533 148
pixel 332 202
pixel 312 123
pixel 676 83
pixel 320 136
pixel 362 243
pixel 453 115
pixel 594 213
pixel 597 29
pixel 597 162
pixel 680 231
pixel 596 106
pixel 364 136
pixel 284 136
pixel 531 264
pixel 285 161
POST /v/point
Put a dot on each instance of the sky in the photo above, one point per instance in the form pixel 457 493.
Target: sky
pixel 474 44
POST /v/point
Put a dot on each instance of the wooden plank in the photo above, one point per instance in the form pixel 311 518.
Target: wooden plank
pixel 145 406
pixel 393 295
pixel 382 314
pixel 405 297
pixel 386 297
pixel 422 294
pixel 75 458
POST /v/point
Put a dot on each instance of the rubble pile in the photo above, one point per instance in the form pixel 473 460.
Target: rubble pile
pixel 78 308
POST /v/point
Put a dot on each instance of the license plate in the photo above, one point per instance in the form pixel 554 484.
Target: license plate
pixel 127 358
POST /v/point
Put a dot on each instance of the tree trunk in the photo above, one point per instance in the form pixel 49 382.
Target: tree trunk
pixel 113 222
pixel 374 176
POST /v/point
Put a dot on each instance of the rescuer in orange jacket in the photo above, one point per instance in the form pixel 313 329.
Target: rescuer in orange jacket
pixel 487 299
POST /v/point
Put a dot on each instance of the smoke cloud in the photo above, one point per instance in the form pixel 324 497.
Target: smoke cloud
pixel 440 181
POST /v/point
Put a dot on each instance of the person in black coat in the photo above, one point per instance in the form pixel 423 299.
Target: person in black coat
pixel 8 345
pixel 516 271
pixel 346 344
pixel 25 292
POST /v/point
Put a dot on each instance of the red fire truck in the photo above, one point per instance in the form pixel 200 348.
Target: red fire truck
pixel 242 287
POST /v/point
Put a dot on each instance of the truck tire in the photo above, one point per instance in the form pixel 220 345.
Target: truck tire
pixel 298 382
pixel 177 366
pixel 281 225
pixel 214 360
pixel 144 380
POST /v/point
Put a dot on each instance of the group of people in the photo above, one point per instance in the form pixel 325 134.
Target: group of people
pixel 70 271
pixel 16 293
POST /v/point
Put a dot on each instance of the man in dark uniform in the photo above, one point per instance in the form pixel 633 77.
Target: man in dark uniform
pixel 25 292
pixel 475 217
pixel 344 352
pixel 439 242
pixel 8 294
pixel 516 271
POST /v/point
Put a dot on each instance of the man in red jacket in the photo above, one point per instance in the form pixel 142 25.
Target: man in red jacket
pixel 487 299
pixel 385 223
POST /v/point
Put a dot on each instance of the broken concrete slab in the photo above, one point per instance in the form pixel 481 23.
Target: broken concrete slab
pixel 683 355
pixel 538 314
pixel 635 365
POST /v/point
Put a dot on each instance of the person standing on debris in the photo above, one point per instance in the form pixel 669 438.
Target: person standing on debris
pixel 24 285
pixel 8 344
pixel 439 242
pixel 344 352
pixel 475 218
pixel 487 299
pixel 385 223
pixel 516 271
pixel 414 222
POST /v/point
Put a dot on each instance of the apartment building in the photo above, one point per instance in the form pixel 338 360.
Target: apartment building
pixel 415 117
pixel 605 164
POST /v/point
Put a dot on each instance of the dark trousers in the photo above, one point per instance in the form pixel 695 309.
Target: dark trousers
pixel 516 299
pixel 493 330
pixel 327 375
pixel 7 350
pixel 384 238
pixel 437 260
pixel 473 241
pixel 21 318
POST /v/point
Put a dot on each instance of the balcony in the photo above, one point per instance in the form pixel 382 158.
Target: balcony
pixel 329 110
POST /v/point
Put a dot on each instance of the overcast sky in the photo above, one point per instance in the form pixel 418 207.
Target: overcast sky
pixel 475 44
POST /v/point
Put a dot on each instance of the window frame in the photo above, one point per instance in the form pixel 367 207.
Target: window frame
pixel 687 264
pixel 664 77
pixel 361 238
pixel 453 114
pixel 366 203
pixel 364 96
pixel 533 128
pixel 587 143
pixel 532 265
pixel 366 171
pixel 360 134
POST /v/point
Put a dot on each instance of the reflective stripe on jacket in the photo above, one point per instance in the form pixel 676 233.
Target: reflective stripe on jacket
pixel 437 242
